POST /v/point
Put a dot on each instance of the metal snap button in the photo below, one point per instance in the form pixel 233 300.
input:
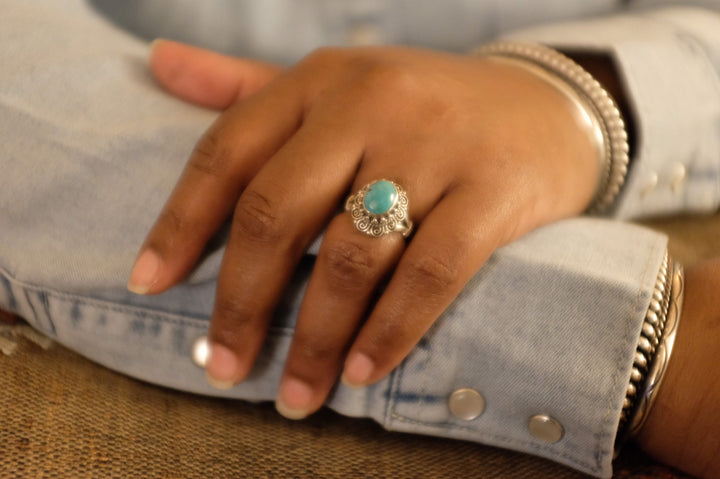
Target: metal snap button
pixel 364 34
pixel 546 428
pixel 651 182
pixel 678 177
pixel 466 404
pixel 200 351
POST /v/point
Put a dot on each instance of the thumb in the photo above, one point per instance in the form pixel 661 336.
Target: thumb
pixel 204 77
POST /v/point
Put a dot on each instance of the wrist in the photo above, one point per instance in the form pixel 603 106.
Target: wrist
pixel 681 429
pixel 580 133
pixel 597 104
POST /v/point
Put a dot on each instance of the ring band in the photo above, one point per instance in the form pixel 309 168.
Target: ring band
pixel 380 208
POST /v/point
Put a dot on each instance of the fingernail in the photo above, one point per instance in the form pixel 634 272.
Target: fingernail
pixel 144 273
pixel 222 385
pixel 153 45
pixel 222 367
pixel 294 399
pixel 357 371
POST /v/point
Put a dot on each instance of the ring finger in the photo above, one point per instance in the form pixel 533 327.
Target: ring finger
pixel 350 266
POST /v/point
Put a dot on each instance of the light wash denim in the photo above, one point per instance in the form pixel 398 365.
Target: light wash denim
pixel 90 148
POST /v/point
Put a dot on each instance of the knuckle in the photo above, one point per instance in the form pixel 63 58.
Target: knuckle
pixel 432 273
pixel 314 348
pixel 212 155
pixel 172 221
pixel 230 308
pixel 349 265
pixel 235 320
pixel 257 219
pixel 386 82
pixel 174 228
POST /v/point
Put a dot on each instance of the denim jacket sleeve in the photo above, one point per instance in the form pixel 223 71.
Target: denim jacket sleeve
pixel 90 150
pixel 669 61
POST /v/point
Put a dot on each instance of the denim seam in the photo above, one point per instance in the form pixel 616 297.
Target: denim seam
pixel 135 311
pixel 46 305
pixel 145 313
pixel 394 385
pixel 45 320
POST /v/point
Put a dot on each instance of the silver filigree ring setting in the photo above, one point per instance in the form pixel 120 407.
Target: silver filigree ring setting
pixel 380 208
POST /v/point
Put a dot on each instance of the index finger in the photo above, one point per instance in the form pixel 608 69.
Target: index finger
pixel 223 162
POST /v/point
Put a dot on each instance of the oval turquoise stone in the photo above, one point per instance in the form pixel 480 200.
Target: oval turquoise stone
pixel 381 196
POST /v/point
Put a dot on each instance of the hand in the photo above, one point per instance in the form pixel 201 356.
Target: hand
pixel 485 151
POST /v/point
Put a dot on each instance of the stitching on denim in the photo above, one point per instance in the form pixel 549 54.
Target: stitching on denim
pixel 498 438
pixel 46 305
pixel 105 305
pixel 394 386
pixel 143 313
pixel 13 301
pixel 29 302
pixel 134 311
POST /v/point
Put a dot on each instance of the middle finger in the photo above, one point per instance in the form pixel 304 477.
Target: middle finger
pixel 277 216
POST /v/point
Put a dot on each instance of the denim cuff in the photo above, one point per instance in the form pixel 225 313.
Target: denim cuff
pixel 547 327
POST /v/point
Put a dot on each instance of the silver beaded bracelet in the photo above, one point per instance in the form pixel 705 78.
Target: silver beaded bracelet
pixel 653 350
pixel 614 150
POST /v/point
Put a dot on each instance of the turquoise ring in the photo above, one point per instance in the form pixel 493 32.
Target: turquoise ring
pixel 380 208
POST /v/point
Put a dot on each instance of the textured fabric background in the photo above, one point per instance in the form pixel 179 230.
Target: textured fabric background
pixel 64 417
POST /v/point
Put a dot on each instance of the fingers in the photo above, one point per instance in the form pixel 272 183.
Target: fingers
pixel 224 161
pixel 280 213
pixel 204 77
pixel 454 240
pixel 348 269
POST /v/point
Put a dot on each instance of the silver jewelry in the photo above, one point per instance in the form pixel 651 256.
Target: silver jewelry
pixel 653 350
pixel 613 155
pixel 380 208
